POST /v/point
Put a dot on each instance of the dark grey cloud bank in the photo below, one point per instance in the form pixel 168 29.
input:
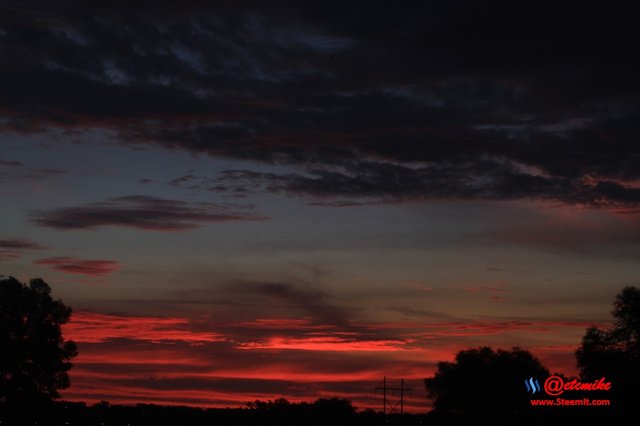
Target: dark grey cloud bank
pixel 377 100
pixel 140 212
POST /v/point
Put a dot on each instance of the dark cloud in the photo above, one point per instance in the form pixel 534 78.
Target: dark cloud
pixel 140 212
pixel 301 300
pixel 179 181
pixel 410 100
pixel 14 248
pixel 10 163
pixel 73 265
pixel 255 313
pixel 19 244
pixel 384 182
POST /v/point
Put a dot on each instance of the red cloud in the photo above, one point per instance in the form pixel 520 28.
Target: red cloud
pixel 94 328
pixel 327 343
pixel 184 374
pixel 269 358
pixel 72 265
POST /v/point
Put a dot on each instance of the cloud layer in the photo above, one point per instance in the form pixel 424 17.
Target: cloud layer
pixel 284 343
pixel 419 100
pixel 179 360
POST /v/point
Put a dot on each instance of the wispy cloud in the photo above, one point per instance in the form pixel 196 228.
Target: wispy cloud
pixel 72 265
pixel 327 343
pixel 14 248
pixel 93 327
pixel 290 297
pixel 140 212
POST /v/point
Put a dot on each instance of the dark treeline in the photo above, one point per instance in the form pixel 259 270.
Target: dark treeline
pixel 323 412
pixel 266 413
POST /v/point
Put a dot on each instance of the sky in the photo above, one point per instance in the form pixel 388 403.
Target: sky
pixel 257 200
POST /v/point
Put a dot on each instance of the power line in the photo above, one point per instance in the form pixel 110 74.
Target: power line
pixel 392 404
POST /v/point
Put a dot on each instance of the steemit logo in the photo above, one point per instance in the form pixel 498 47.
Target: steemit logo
pixel 532 385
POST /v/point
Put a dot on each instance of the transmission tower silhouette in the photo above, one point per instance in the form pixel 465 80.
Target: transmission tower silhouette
pixel 390 394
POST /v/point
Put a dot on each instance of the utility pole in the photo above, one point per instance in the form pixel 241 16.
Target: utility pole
pixel 385 388
pixel 402 396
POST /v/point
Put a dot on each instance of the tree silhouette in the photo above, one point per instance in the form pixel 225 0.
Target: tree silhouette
pixel 615 353
pixel 34 359
pixel 484 381
pixel 321 412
